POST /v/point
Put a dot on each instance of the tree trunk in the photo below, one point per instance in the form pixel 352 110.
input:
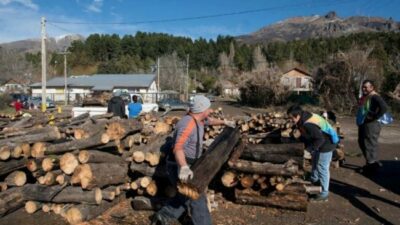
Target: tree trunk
pixel 16 178
pixel 84 212
pixel 94 156
pixel 96 140
pixel 294 149
pixel 286 201
pixel 205 168
pixel 12 165
pixel 11 200
pixel 51 134
pixel 288 169
pixel 100 175
pixel 77 195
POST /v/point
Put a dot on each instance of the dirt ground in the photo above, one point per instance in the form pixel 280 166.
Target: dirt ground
pixel 354 199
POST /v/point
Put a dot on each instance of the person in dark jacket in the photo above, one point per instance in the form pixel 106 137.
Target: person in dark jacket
pixel 116 105
pixel 320 140
pixel 371 107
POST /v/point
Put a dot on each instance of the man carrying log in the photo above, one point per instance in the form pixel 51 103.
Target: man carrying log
pixel 187 149
pixel 320 139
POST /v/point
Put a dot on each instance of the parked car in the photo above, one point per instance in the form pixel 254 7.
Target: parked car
pixel 173 104
pixel 211 97
pixel 37 102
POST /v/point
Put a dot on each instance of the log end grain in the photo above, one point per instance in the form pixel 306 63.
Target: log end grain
pixel 68 163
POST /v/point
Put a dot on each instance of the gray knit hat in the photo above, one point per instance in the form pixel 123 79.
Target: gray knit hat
pixel 199 104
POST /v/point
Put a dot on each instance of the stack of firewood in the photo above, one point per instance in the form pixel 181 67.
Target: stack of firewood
pixel 77 167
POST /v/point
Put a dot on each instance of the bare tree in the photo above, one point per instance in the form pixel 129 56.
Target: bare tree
pixel 172 72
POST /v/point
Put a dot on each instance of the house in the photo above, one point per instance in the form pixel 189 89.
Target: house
pixel 297 80
pixel 229 89
pixel 80 86
pixel 11 86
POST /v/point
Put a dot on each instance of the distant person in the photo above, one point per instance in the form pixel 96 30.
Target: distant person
pixel 116 105
pixel 320 140
pixel 371 107
pixel 134 107
pixel 17 106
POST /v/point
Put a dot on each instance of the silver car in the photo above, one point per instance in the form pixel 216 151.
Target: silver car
pixel 173 104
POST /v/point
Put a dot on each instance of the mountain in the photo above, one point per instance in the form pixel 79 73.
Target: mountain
pixel 34 45
pixel 330 25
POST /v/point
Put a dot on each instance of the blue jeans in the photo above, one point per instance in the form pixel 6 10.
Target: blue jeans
pixel 320 170
pixel 180 203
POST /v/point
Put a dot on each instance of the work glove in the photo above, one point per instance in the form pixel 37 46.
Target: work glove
pixel 185 173
pixel 229 123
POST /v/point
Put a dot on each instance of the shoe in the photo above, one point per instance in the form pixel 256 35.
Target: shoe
pixel 319 198
pixel 158 219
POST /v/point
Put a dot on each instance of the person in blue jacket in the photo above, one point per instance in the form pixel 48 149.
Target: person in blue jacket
pixel 134 107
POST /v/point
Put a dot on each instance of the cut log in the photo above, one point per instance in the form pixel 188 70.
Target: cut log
pixel 120 129
pixel 151 188
pixel 37 150
pixel 290 168
pixel 108 193
pixel 97 139
pixel 5 153
pixel 3 186
pixel 77 195
pixel 287 201
pixel 83 212
pixel 271 158
pixel 12 165
pixel 32 206
pixel 247 181
pixel 68 163
pixel 260 150
pixel 41 193
pixel 11 200
pixel 63 179
pixel 50 177
pixel 153 158
pixel 16 178
pixel 205 168
pixel 94 156
pixel 100 175
pixel 229 179
pixel 50 163
pixel 52 134
pixel 138 156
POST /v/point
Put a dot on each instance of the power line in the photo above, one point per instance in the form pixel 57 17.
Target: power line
pixel 204 16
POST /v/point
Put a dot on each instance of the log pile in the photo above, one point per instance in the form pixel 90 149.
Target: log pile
pixel 75 167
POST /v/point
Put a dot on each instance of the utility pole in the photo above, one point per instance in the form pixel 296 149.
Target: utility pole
pixel 44 64
pixel 158 74
pixel 65 53
pixel 187 77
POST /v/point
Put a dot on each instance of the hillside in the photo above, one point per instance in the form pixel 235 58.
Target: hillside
pixel 330 25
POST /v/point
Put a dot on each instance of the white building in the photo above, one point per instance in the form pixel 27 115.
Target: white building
pixel 297 80
pixel 80 86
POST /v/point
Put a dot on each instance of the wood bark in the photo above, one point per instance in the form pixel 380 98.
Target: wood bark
pixel 94 156
pixel 294 149
pixel 100 174
pixel 12 165
pixel 205 168
pixel 288 169
pixel 84 212
pixel 96 140
pixel 16 178
pixel 11 200
pixel 52 134
pixel 77 195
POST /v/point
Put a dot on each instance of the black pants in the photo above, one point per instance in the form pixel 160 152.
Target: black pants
pixel 368 135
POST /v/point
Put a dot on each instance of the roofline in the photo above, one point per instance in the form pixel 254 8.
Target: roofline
pixel 300 70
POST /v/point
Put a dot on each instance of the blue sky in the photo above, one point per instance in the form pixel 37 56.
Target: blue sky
pixel 20 19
